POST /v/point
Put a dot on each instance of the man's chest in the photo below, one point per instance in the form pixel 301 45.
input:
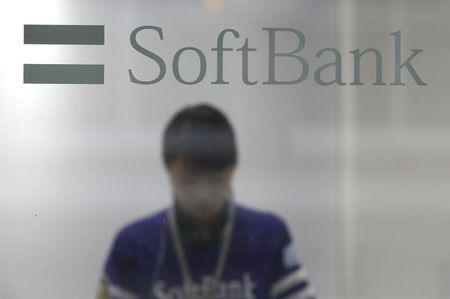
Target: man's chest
pixel 243 277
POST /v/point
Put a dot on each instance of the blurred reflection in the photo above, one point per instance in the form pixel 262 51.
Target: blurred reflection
pixel 205 245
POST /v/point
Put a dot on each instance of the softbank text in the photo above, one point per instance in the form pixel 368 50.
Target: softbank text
pixel 329 72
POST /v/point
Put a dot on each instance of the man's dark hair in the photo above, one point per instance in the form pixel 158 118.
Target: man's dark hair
pixel 202 137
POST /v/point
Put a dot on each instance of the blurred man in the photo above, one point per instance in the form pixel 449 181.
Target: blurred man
pixel 205 245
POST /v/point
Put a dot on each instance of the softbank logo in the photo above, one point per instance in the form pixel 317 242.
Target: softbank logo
pixel 88 35
pixel 328 62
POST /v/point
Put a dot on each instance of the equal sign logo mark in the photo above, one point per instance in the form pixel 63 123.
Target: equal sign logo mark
pixel 64 35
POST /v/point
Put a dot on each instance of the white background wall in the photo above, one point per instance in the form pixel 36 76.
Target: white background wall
pixel 399 228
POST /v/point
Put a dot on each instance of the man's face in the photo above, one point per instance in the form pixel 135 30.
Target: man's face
pixel 201 194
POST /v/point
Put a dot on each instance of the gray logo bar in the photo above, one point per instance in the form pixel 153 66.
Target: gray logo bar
pixel 64 34
pixel 64 73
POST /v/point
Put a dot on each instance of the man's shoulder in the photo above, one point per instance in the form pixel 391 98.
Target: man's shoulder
pixel 144 228
pixel 264 232
pixel 258 217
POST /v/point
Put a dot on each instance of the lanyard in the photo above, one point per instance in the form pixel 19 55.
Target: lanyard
pixel 181 256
